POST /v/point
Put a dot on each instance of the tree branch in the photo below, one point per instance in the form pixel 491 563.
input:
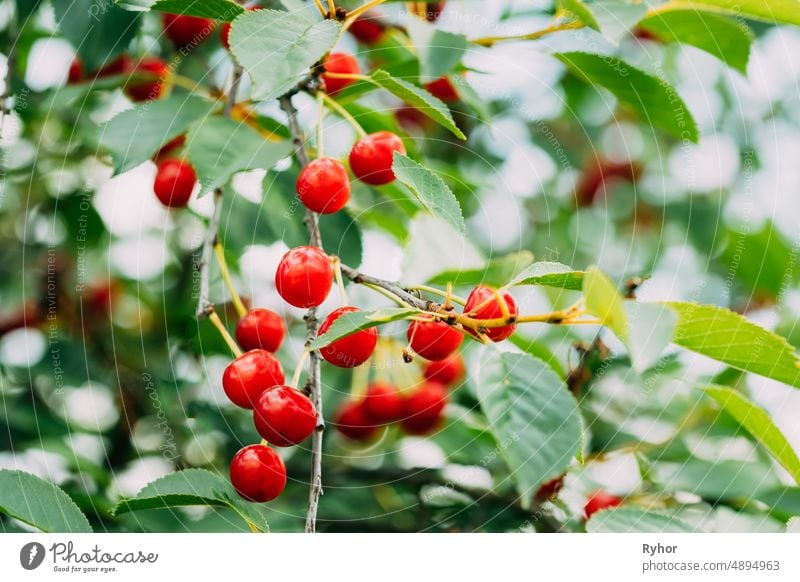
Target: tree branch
pixel 204 304
pixel 314 383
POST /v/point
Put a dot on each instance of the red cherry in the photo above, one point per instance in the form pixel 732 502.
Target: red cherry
pixel 304 277
pixel 550 489
pixel 174 182
pixel 151 87
pixel 260 329
pixel 119 66
pixel 258 473
pixel 599 176
pixel 598 501
pixel 433 10
pixel 384 403
pixel 446 371
pixel 371 157
pixel 352 350
pixel 323 186
pixel 367 29
pixel 284 416
pixel 482 303
pixel 433 340
pixel 352 421
pixel 424 406
pixel 249 375
pixel 443 89
pixel 75 74
pixel 340 63
pixel 186 31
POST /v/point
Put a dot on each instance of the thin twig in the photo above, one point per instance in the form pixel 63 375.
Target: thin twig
pixel 314 381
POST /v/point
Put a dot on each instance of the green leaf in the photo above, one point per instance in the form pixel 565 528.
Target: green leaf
pixel 135 135
pixel 496 272
pixel 350 323
pixel 531 415
pixel 616 19
pixel 724 480
pixel 193 487
pixel 219 147
pixel 419 99
pixel 550 274
pixel 655 100
pixel 223 10
pixel 580 10
pixel 728 337
pixel 278 48
pixel 777 11
pixel 341 236
pixel 40 504
pixel 538 349
pixel 99 31
pixel 723 37
pixel 438 51
pixel 651 328
pixel 758 423
pixel 604 301
pixel 431 191
pixel 635 520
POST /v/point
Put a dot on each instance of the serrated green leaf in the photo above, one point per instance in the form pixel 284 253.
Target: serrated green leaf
pixel 99 31
pixel 723 37
pixel 40 504
pixel 431 191
pixel 728 337
pixel 222 10
pixel 532 416
pixel 635 520
pixel 219 147
pixel 758 423
pixel 419 99
pixel 777 11
pixel 655 100
pixel 349 323
pixel 496 272
pixel 438 51
pixel 278 48
pixel 134 136
pixel 604 301
pixel 550 274
pixel 193 487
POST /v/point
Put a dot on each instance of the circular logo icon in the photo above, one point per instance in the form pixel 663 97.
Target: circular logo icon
pixel 31 555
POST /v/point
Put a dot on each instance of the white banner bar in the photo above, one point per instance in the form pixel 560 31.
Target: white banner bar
pixel 402 558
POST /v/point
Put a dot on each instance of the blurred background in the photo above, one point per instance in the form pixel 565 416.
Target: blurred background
pixel 107 380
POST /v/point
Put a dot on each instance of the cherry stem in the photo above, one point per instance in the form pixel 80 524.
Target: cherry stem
pixel 490 40
pixel 189 84
pixel 298 369
pixel 344 114
pixel 226 277
pixel 331 9
pixel 356 12
pixel 439 292
pixel 223 331
pixel 337 270
pixel 387 294
pixel 321 8
pixel 320 124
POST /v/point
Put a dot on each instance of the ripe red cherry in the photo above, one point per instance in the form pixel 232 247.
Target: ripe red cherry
pixel 352 350
pixel 151 87
pixel 424 406
pixel 550 489
pixel 170 147
pixel 260 329
pixel 75 74
pixel 323 186
pixel 340 63
pixel 352 421
pixel 433 340
pixel 186 31
pixel 284 416
pixel 482 303
pixel 433 10
pixel 304 277
pixel 598 501
pixel 446 372
pixel 367 29
pixel 249 375
pixel 119 66
pixel 258 473
pixel 371 157
pixel 174 182
pixel 384 403
pixel 443 89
